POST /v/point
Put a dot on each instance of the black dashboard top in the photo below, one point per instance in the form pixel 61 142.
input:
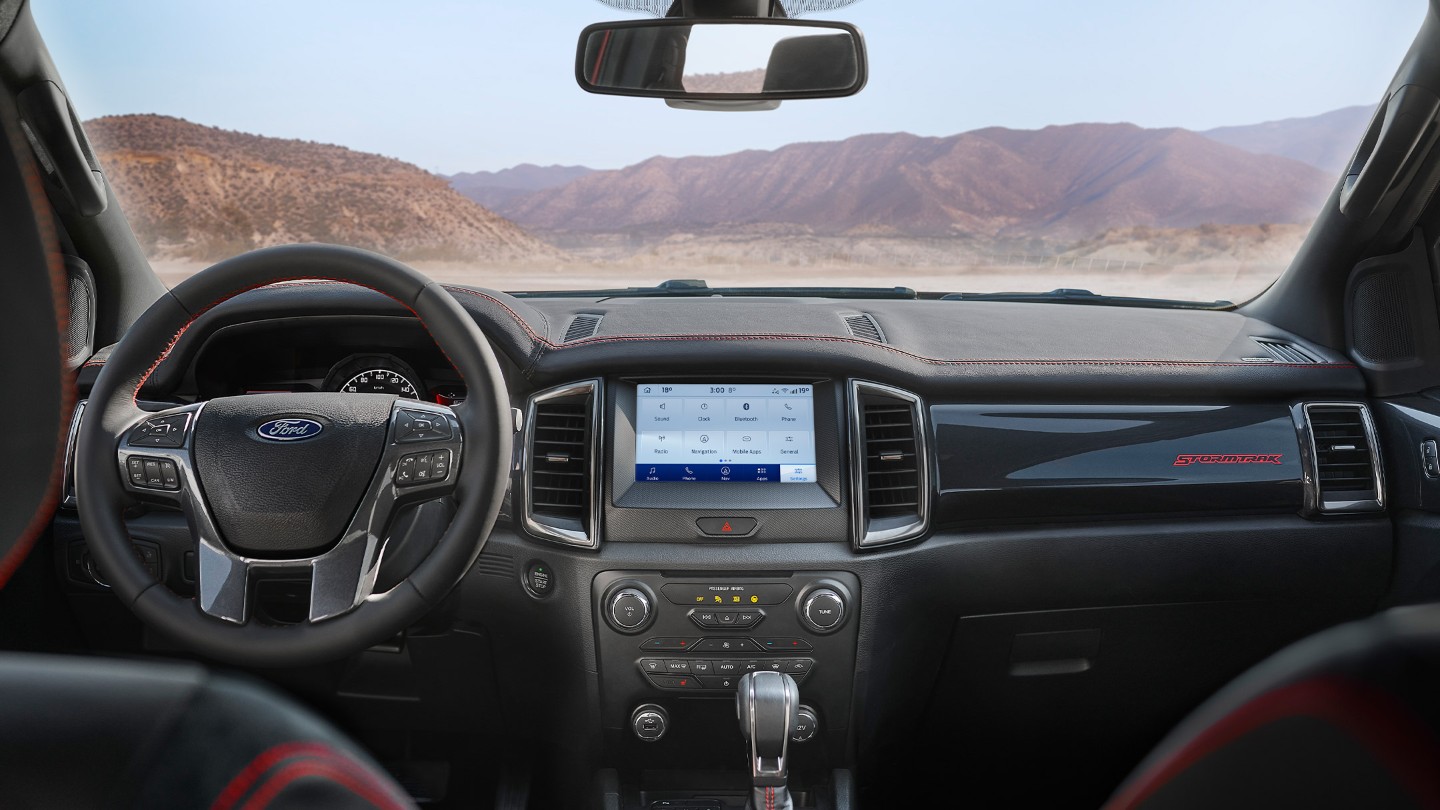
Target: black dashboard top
pixel 977 350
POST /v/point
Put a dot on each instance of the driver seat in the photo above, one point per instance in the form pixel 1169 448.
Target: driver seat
pixel 97 732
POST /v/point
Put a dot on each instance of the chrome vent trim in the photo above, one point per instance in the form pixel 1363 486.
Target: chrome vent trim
pixel 1339 450
pixel 582 326
pixel 869 530
pixel 1283 351
pixel 67 484
pixel 582 530
pixel 864 327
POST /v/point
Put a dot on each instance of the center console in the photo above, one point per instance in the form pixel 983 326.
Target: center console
pixel 672 648
pixel 736 462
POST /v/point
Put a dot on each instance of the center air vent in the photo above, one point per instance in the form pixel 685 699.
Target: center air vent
pixel 889 465
pixel 1346 458
pixel 561 470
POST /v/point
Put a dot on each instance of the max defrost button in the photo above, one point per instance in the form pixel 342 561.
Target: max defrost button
pixel 726 527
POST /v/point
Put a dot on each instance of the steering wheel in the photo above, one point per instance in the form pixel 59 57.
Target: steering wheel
pixel 292 484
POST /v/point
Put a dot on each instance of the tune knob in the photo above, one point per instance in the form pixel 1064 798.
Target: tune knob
pixel 823 610
pixel 629 609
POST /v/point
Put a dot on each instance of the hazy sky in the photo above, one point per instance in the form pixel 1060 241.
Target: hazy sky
pixel 462 85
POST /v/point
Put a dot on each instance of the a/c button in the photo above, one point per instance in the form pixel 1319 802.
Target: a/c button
pixel 726 527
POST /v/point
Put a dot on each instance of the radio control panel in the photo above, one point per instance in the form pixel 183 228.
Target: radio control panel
pixel 674 639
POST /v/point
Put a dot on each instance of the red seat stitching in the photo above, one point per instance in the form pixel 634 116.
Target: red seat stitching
pixel 1377 719
pixel 302 769
pixel 269 758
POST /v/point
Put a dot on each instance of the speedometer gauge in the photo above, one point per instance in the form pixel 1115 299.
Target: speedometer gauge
pixel 380 381
pixel 374 374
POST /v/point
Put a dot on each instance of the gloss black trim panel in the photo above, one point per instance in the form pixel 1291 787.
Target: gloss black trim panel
pixel 1046 461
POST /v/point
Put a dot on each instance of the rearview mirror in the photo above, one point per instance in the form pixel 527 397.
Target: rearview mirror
pixel 722 63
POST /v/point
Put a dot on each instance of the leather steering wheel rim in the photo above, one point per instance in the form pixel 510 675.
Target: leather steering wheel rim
pixel 481 479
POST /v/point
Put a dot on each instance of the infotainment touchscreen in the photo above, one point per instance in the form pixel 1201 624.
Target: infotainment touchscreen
pixel 745 432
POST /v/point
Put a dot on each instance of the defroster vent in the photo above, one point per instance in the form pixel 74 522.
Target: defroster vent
pixel 892 481
pixel 561 472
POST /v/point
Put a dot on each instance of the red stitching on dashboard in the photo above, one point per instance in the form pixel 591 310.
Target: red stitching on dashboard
pixel 855 342
pixel 547 343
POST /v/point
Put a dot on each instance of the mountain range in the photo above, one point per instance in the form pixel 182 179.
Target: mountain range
pixel 203 193
pixel 495 188
pixel 1060 182
pixel 1324 141
pixel 198 192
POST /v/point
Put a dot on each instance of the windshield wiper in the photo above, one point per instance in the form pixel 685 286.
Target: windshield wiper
pixel 696 288
pixel 1070 296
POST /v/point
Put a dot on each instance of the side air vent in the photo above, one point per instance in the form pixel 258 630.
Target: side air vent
pixel 1346 458
pixel 1283 351
pixel 864 327
pixel 889 465
pixel 581 327
pixel 67 483
pixel 562 464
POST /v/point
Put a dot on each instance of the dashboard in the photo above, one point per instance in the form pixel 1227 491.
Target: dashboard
pixel 956 522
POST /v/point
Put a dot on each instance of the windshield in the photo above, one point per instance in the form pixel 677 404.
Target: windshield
pixel 1125 147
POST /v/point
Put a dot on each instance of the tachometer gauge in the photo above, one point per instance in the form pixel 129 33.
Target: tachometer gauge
pixel 374 374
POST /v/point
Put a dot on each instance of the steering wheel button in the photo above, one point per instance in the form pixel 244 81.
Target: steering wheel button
pixel 405 473
pixel 169 474
pixel 136 468
pixel 153 478
pixel 413 426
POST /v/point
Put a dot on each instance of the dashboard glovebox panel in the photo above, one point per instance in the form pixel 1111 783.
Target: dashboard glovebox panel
pixel 1037 461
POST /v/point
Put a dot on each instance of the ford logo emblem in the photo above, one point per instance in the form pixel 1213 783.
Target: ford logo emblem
pixel 289 430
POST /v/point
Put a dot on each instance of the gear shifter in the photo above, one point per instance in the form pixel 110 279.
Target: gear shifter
pixel 766 703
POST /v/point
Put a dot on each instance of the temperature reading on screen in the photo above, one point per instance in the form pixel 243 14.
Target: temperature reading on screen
pixel 756 432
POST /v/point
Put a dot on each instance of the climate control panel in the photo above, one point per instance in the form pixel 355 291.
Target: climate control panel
pixel 682 640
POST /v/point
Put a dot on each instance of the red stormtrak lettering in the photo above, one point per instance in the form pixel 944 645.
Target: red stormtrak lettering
pixel 1186 459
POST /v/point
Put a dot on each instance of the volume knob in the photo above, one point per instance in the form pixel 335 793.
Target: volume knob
pixel 823 610
pixel 629 609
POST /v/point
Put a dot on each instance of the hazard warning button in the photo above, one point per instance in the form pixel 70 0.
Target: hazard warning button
pixel 726 526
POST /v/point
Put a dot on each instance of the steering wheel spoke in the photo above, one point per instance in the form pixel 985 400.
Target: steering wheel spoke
pixel 423 446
